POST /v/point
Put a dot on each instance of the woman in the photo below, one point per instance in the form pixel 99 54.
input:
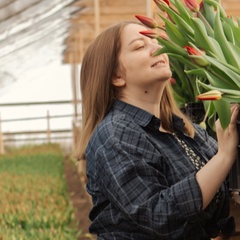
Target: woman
pixel 152 174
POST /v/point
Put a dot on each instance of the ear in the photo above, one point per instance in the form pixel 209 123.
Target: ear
pixel 118 81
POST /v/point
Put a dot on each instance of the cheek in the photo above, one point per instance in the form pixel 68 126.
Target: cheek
pixel 128 66
pixel 166 57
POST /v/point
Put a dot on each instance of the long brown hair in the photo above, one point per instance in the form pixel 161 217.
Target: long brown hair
pixel 98 93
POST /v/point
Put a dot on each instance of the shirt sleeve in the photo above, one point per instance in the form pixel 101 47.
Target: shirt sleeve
pixel 127 175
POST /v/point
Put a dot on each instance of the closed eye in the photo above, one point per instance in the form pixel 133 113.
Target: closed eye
pixel 140 47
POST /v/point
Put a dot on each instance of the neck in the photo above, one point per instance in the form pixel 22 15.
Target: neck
pixel 145 101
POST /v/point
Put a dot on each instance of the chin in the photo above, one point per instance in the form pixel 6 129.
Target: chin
pixel 167 74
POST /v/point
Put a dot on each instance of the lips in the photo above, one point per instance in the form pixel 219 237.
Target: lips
pixel 158 63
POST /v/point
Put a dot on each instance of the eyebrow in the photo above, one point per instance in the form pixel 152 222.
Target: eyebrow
pixel 136 39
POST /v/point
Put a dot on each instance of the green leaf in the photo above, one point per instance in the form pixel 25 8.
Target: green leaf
pixel 175 34
pixel 215 62
pixel 183 59
pixel 215 80
pixel 186 85
pixel 209 13
pixel 211 116
pixel 170 47
pixel 181 101
pixel 228 33
pixel 223 110
pixel 217 4
pixel 184 26
pixel 183 11
pixel 224 71
pixel 236 54
pixel 231 98
pixel 203 41
pixel 238 21
pixel 234 28
pixel 223 90
pixel 220 37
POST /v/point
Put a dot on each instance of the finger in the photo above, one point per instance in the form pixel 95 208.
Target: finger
pixel 233 106
pixel 235 112
pixel 218 125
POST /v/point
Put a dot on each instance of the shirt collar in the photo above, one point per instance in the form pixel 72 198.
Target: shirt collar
pixel 144 118
pixel 140 116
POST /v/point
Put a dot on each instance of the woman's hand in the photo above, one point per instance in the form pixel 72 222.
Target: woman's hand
pixel 228 138
pixel 217 169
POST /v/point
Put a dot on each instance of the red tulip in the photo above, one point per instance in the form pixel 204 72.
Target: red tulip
pixel 148 22
pixel 210 95
pixel 172 81
pixel 193 51
pixel 193 5
pixel 197 57
pixel 164 36
pixel 201 5
pixel 160 4
pixel 149 33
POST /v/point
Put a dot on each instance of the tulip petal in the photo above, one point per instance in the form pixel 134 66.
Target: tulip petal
pixel 193 5
pixel 148 22
pixel 149 33
pixel 210 95
pixel 162 4
pixel 199 60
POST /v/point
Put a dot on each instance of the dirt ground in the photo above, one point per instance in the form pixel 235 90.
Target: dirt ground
pixel 78 196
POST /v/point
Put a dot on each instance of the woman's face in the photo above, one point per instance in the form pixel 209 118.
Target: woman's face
pixel 138 66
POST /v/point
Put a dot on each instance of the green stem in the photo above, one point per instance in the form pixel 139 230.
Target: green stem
pixel 162 28
pixel 173 10
pixel 206 114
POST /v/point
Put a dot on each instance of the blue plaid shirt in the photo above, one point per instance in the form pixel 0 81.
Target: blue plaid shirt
pixel 143 184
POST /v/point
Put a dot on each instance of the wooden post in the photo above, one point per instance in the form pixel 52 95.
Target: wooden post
pixel 74 89
pixel 74 75
pixel 97 16
pixel 48 128
pixel 2 151
pixel 81 42
pixel 149 9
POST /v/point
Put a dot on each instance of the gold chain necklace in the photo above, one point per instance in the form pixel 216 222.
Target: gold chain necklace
pixel 194 158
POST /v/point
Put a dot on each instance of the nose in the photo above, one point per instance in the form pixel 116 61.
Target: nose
pixel 154 48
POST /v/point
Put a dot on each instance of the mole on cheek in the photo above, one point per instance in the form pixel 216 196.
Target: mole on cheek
pixel 146 91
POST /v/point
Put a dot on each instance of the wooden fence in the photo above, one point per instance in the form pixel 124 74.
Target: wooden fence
pixel 47 135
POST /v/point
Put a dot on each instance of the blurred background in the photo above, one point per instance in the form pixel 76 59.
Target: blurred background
pixel 41 46
pixel 42 43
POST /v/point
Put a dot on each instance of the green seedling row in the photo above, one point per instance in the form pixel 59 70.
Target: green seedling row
pixel 34 204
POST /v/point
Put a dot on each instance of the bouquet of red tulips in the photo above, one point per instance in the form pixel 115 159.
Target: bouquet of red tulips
pixel 203 44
